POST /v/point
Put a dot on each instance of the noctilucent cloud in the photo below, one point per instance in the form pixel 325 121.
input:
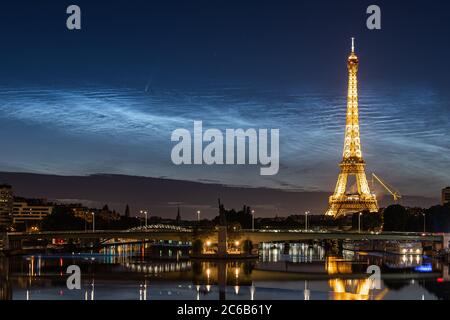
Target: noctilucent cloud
pixel 105 99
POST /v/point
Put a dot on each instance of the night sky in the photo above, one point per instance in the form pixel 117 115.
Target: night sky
pixel 105 99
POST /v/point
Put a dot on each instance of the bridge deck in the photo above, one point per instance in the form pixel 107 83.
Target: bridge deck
pixel 256 236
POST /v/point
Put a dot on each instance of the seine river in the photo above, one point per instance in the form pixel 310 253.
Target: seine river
pixel 297 272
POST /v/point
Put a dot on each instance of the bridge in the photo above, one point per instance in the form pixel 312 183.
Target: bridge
pixel 278 235
pixel 14 240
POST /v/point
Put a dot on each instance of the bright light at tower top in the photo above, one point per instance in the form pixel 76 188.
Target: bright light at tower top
pixel 352 58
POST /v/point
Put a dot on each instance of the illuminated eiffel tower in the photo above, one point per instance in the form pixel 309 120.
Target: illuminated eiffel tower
pixel 352 164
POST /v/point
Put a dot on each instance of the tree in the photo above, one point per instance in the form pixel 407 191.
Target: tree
pixel 369 220
pixel 62 218
pixel 438 218
pixel 242 217
pixel 395 218
pixel 127 211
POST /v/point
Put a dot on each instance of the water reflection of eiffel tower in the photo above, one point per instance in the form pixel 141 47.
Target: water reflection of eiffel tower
pixel 347 289
pixel 352 164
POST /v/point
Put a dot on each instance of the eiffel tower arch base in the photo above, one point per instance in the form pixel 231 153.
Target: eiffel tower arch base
pixel 340 206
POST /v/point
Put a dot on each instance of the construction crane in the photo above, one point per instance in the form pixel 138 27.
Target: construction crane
pixel 395 194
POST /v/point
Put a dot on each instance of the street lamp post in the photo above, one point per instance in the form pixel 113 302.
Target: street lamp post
pixel 253 220
pixel 93 221
pixel 145 212
pixel 198 215
pixel 306 220
pixel 359 222
pixel 424 224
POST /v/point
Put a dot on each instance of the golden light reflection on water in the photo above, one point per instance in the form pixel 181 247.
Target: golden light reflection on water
pixel 335 265
pixel 351 289
pixel 289 267
pixel 347 289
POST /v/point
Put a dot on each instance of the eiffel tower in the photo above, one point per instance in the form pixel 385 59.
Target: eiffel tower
pixel 352 164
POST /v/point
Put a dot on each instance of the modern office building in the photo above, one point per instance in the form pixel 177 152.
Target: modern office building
pixel 79 211
pixel 6 205
pixel 29 213
pixel 445 195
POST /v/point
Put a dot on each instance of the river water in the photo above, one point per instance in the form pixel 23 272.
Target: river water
pixel 297 272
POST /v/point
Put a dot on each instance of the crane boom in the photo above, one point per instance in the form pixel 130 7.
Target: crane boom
pixel 396 195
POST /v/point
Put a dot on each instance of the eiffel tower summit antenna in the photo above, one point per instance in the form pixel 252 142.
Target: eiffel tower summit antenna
pixel 352 164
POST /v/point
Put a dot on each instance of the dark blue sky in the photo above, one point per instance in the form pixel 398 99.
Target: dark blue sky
pixel 106 98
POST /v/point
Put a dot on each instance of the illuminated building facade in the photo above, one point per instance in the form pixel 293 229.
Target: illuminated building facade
pixel 29 213
pixel 6 205
pixel 445 196
pixel 352 164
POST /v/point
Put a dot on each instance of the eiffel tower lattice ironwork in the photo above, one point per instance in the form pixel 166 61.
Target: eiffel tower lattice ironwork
pixel 352 164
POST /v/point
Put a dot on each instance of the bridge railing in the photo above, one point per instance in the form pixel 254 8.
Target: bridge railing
pixel 97 232
pixel 342 232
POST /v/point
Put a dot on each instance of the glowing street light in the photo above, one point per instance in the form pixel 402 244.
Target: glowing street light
pixel 359 222
pixel 306 220
pixel 424 222
pixel 253 220
pixel 145 214
pixel 198 215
